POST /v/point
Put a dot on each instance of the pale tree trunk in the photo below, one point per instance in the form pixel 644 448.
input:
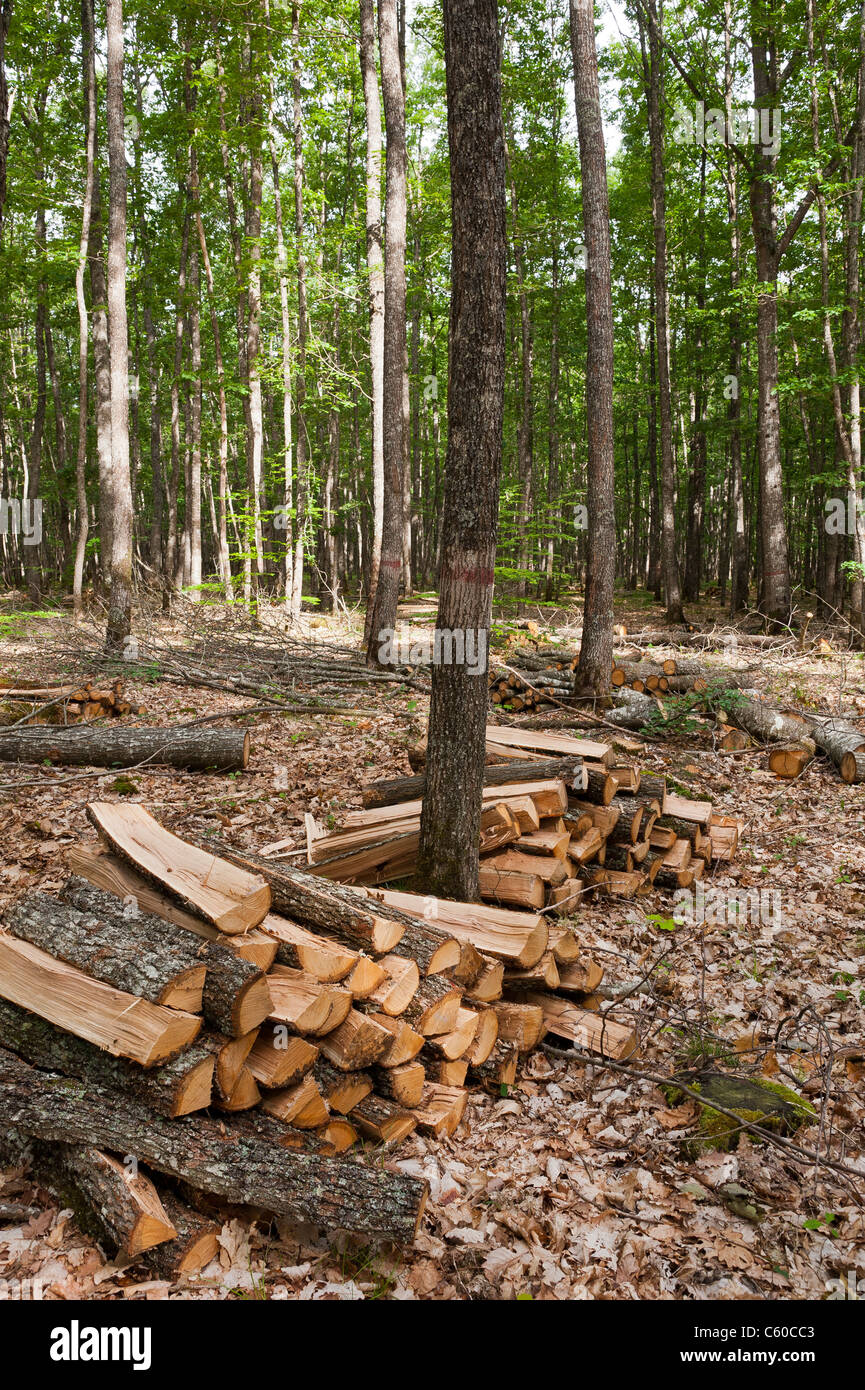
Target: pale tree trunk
pixel 739 559
pixel 171 549
pixel 851 332
pixel 375 273
pixel 193 491
pixel 775 568
pixel 5 21
pixel 450 819
pixel 101 378
pixel 387 590
pixel 255 451
pixel 596 648
pixel 32 553
pixel 694 543
pixel 652 19
pixel 119 624
pixel 89 83
pixel 302 449
pixel 526 431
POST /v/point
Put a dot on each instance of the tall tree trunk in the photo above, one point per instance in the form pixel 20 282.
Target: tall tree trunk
pixel 32 553
pixel 390 565
pixel 303 460
pixel 526 430
pixel 596 648
pixel 775 568
pixel 101 377
pixel 375 276
pixel 654 84
pixel 89 83
pixel 5 21
pixel 450 819
pixel 119 624
pixel 255 449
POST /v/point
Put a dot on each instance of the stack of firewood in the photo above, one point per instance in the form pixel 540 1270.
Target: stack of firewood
pixel 65 704
pixel 534 677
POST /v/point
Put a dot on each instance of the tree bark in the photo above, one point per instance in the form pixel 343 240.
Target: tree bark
pixel 119 624
pixel 384 604
pixel 596 649
pixel 86 746
pixel 243 1163
pixel 89 84
pixel 5 21
pixel 450 818
pixel 375 272
pixel 303 459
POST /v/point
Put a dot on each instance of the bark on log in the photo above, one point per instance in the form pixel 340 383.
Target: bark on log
pixel 128 955
pixel 175 1088
pixel 837 738
pixel 237 1163
pixel 194 1246
pixel 235 997
pixel 392 790
pixel 201 749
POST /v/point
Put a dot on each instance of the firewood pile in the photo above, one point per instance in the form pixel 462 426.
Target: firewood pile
pixel 547 676
pixel 66 704
pixel 235 1025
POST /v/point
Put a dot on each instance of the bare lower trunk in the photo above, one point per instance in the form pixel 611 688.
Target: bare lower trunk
pixel 89 76
pixel 375 270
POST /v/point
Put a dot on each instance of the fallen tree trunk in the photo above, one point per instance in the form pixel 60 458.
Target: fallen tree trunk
pixel 841 741
pixel 246 1164
pixel 391 790
pixel 177 1087
pixel 221 750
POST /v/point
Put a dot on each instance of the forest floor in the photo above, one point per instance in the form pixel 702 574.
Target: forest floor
pixel 579 1183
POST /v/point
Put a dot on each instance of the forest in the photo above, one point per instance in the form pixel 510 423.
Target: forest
pixel 432 663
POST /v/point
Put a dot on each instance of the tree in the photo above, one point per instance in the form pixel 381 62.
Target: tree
pixel 596 648
pixel 375 273
pixel 386 596
pixel 119 624
pixel 450 818
pixel 5 21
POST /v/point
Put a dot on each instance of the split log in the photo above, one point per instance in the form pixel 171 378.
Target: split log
pixel 235 996
pixel 223 894
pixel 403 1084
pixel 231 1058
pixel 521 1024
pixel 485 1038
pixel 499 1071
pixel 457 1040
pixel 178 1087
pixel 200 749
pixel 383 1121
pixel 301 1105
pixel 403 1044
pixel 105 870
pixel 128 955
pixel 563 944
pixel 358 1042
pixel 434 1006
pixel 242 1167
pixel 553 871
pixel 596 1033
pixel 441 1110
pixel 244 1095
pixel 342 1090
pixel 194 1246
pixel 565 745
pixel 304 1004
pixel 279 1058
pixel 445 1073
pixel 488 985
pixel 301 949
pixel 398 987
pixel 506 935
pixel 121 1023
pixel 516 889
pixel 583 977
pixel 543 975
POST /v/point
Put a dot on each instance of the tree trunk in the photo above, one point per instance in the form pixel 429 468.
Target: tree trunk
pixel 596 649
pixel 303 451
pixel 5 21
pixel 119 624
pixel 93 746
pixel 387 589
pixel 89 84
pixel 375 271
pixel 654 84
pixel 450 819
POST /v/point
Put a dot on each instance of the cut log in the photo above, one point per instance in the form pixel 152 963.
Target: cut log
pixel 301 1105
pixel 563 944
pixel 583 977
pixel 231 1056
pixel 510 936
pixel 105 870
pixel 445 1073
pixel 552 871
pixel 488 985
pixel 200 749
pixel 304 1004
pixel 383 1121
pixel 394 790
pixel 544 842
pixel 767 724
pixel 543 975
pixel 244 1095
pixel 852 767
pixel 224 895
pixel 339 1134
pixel 569 898
pixel 562 744
pixel 601 787
pixel 342 1090
pixel 235 996
pixel 121 1023
pixel 242 1166
pixel 403 1043
pixel 278 1058
pixel 499 1071
pixel 403 1084
pixel 457 1041
pixel 837 738
pixel 484 1040
pixel 441 1110
pixel 433 1007
pixel 596 1033
pixel 521 1024
pixel 789 760
pixel 604 818
pixel 128 955
pixel 586 848
pixel 516 889
pixel 177 1087
pixel 398 987
pixel 195 1245
pixel 358 1042
pixel 301 949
